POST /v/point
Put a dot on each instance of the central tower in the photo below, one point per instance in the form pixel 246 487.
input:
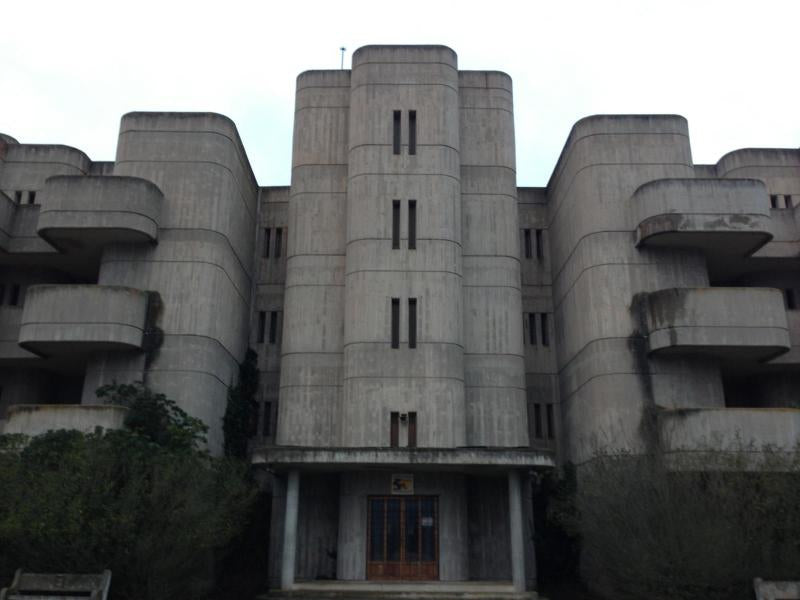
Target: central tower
pixel 403 339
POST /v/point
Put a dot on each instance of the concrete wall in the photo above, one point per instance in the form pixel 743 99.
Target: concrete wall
pixel 605 379
pixel 313 331
pixel 36 419
pixel 379 379
pixel 203 264
pixel 494 372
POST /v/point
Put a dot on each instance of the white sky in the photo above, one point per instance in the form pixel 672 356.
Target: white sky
pixel 70 69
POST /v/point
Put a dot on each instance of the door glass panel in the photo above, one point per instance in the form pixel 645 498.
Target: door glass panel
pixel 412 530
pixel 393 529
pixel 376 513
pixel 428 529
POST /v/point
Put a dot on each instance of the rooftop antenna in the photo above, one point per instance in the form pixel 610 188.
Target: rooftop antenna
pixel 342 49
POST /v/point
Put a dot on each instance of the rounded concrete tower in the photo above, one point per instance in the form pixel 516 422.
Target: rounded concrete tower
pixel 403 273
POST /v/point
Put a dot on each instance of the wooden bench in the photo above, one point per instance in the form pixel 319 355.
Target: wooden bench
pixel 51 586
pixel 775 590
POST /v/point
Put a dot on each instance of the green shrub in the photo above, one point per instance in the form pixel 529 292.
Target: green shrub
pixel 673 528
pixel 144 502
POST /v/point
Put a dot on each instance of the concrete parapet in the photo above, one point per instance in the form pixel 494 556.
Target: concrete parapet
pixel 35 419
pixel 64 319
pixel 730 429
pixel 720 216
pixel 747 323
pixel 78 211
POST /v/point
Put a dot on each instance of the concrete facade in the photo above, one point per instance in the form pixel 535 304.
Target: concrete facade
pixel 419 319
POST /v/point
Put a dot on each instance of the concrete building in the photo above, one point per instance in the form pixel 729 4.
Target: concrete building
pixel 429 334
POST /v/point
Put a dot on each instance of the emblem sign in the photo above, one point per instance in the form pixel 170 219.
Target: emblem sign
pixel 402 485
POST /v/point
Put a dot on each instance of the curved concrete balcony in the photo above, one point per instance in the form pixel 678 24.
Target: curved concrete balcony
pixel 730 429
pixel 728 217
pixel 79 212
pixel 736 323
pixel 35 419
pixel 68 319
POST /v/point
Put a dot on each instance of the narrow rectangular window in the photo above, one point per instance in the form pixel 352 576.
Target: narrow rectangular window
pixel 266 428
pixel 773 200
pixel 395 224
pixel 395 322
pixel 788 200
pixel 532 328
pixel 267 235
pixel 412 322
pixel 31 197
pixel 539 247
pixel 273 326
pixel 790 300
pixel 278 241
pixel 396 132
pixel 394 429
pixel 551 428
pixel 14 298
pixel 528 249
pixel 2 293
pixel 262 325
pixel 412 430
pixel 537 421
pixel 412 224
pixel 412 132
pixel 18 197
pixel 545 331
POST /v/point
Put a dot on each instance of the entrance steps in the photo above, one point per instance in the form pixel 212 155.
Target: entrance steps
pixel 427 590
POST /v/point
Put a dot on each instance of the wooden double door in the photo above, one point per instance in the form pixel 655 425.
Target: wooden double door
pixel 403 537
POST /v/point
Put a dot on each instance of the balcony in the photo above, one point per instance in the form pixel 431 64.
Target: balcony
pixel 730 429
pixel 747 324
pixel 722 217
pixel 79 212
pixel 76 319
pixel 35 419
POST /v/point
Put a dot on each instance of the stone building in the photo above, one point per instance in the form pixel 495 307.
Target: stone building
pixel 430 336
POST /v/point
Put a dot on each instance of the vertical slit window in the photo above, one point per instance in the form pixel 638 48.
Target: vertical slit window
pixel 267 236
pixel 394 430
pixel 551 428
pixel 31 197
pixel 395 224
pixel 545 331
pixel 788 200
pixel 396 132
pixel 18 197
pixel 539 247
pixel 412 322
pixel 537 421
pixel 273 326
pixel 278 241
pixel 412 132
pixel 773 200
pixel 412 430
pixel 790 300
pixel 532 328
pixel 412 224
pixel 2 293
pixel 527 237
pixel 395 322
pixel 262 323
pixel 13 299
pixel 266 428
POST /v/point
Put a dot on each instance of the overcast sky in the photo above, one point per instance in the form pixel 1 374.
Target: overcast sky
pixel 70 69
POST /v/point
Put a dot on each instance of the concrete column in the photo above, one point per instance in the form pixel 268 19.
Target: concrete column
pixel 290 530
pixel 517 545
